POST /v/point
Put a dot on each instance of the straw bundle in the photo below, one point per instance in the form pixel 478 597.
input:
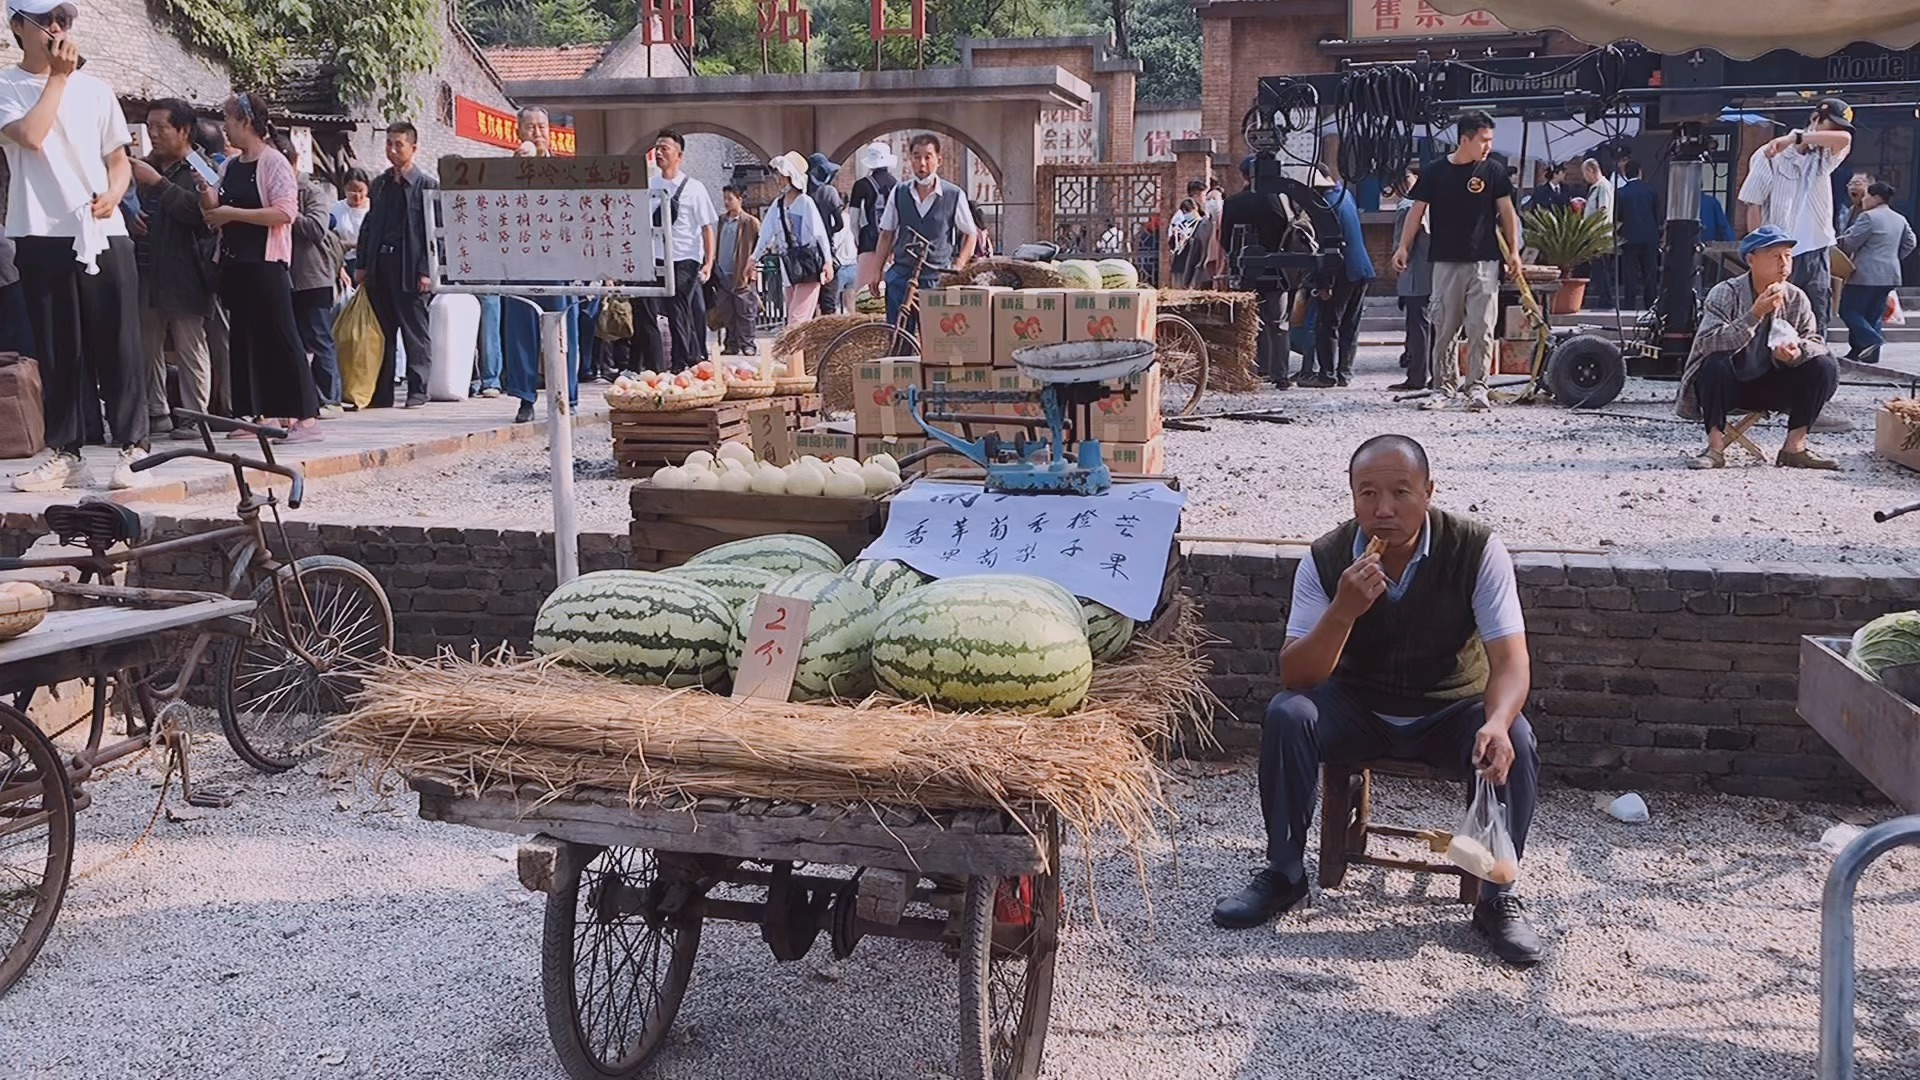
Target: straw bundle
pixel 815 336
pixel 1017 273
pixel 477 725
pixel 1230 324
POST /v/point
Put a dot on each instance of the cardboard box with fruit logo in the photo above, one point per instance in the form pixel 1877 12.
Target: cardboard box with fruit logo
pixel 956 326
pixel 1135 459
pixel 898 448
pixel 824 442
pixel 1027 317
pixel 1130 413
pixel 1112 314
pixel 880 395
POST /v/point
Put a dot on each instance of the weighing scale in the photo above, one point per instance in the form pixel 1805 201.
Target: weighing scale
pixel 1073 375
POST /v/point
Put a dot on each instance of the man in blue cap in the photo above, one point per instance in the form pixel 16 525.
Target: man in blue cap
pixel 1759 348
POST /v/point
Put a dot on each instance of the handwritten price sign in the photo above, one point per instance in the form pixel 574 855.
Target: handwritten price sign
pixel 772 652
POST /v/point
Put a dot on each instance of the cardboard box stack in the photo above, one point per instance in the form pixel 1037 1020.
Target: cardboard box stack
pixel 1024 317
pixel 956 326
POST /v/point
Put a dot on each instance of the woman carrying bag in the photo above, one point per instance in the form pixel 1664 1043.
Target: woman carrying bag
pixel 1877 241
pixel 799 237
pixel 254 209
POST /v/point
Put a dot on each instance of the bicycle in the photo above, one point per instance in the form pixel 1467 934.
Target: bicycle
pixel 317 619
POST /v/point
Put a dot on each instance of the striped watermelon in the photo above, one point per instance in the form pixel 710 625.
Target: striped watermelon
pixel 1068 602
pixel 835 660
pixel 645 628
pixel 736 583
pixel 885 578
pixel 782 553
pixel 974 643
pixel 1108 632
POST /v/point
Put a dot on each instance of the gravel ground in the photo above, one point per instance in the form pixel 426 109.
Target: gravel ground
pixel 1542 475
pixel 316 930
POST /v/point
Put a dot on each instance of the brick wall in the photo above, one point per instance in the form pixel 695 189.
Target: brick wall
pixel 460 70
pixel 1236 52
pixel 1677 675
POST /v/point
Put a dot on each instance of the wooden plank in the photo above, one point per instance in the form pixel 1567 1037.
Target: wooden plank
pixel 82 628
pixel 851 839
pixel 1875 729
pixel 683 502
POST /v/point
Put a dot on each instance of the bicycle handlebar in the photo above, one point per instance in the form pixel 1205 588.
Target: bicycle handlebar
pixel 227 423
pixel 294 495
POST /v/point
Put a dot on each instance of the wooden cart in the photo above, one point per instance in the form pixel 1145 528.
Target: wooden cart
pixel 629 887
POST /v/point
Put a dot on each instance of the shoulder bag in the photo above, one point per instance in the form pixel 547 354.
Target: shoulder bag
pixel 804 265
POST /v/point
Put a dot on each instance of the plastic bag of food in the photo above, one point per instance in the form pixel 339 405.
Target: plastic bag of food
pixel 1483 844
pixel 359 346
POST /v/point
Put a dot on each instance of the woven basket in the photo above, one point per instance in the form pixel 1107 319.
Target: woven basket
pixel 651 402
pixel 17 616
pixel 794 384
pixel 739 391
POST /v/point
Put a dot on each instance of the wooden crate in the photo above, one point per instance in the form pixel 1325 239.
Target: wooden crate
pixel 672 526
pixel 644 441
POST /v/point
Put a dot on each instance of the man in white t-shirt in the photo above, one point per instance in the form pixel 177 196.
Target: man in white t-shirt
pixel 1404 640
pixel 694 245
pixel 66 145
pixel 1789 185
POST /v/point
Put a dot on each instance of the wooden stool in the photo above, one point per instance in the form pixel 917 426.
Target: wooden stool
pixel 1737 434
pixel 1346 808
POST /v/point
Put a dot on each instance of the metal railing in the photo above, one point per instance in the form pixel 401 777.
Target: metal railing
pixel 1836 939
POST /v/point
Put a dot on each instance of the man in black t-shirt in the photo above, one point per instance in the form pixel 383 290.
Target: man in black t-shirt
pixel 1253 218
pixel 1469 197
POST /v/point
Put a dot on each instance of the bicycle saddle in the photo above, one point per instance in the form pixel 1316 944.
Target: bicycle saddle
pixel 95 523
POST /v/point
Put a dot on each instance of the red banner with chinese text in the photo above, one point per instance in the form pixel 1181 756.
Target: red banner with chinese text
pixel 481 123
pixel 1373 20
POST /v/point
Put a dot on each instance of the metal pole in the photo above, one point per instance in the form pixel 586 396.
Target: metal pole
pixel 553 360
pixel 1836 939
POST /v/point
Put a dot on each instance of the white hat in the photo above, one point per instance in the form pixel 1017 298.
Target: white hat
pixel 41 7
pixel 877 155
pixel 792 166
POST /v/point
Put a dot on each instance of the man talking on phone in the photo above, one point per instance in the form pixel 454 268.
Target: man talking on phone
pixel 1404 640
pixel 66 144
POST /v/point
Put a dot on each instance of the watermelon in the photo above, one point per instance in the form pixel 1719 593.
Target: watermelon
pixel 835 660
pixel 974 643
pixel 1081 274
pixel 782 553
pixel 642 627
pixel 885 578
pixel 737 583
pixel 1069 603
pixel 1108 632
pixel 1118 274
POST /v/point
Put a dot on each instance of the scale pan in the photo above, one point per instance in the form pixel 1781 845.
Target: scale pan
pixel 1084 361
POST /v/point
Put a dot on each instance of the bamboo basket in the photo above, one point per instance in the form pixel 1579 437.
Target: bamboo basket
pixel 652 402
pixel 794 384
pixel 743 390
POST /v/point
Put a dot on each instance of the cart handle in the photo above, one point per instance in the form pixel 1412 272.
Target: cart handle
pixel 152 461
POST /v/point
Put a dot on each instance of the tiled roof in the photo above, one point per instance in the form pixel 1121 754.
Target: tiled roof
pixel 517 62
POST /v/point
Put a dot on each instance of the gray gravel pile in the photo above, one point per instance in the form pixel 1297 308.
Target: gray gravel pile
pixel 1541 475
pixel 315 930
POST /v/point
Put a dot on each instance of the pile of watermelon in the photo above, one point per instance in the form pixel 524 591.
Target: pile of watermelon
pixel 999 642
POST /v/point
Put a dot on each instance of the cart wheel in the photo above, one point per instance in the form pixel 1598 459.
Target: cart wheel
pixel 1009 932
pixel 1586 372
pixel 857 345
pixel 272 700
pixel 36 841
pixel 615 957
pixel 1183 364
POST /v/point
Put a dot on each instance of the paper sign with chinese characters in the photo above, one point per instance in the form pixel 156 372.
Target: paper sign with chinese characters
pixel 1374 20
pixel 1111 548
pixel 772 651
pixel 583 234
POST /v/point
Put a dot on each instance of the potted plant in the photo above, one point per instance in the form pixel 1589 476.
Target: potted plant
pixel 1567 239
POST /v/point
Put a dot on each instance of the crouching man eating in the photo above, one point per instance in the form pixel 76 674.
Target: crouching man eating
pixel 1405 640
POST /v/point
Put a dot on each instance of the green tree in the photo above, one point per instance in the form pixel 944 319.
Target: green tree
pixel 376 46
pixel 1164 35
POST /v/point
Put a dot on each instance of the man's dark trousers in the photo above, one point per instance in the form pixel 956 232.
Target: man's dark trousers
pixel 1329 724
pixel 1639 275
pixel 685 339
pixel 1273 354
pixel 401 310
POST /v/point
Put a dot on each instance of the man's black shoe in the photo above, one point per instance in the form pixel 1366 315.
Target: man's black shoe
pixel 1317 382
pixel 1282 384
pixel 415 401
pixel 525 415
pixel 1267 895
pixel 1868 355
pixel 1342 380
pixel 1408 385
pixel 1503 922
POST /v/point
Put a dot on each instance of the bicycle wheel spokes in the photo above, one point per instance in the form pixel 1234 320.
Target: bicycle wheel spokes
pixel 36 842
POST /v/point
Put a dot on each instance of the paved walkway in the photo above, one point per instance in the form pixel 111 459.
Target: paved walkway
pixel 363 440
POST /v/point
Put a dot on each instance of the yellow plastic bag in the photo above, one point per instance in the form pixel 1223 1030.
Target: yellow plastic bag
pixel 359 345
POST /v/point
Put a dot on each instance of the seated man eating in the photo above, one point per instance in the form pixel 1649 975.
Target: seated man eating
pixel 1758 348
pixel 1405 640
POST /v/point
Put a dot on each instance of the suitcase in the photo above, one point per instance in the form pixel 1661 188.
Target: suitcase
pixel 23 418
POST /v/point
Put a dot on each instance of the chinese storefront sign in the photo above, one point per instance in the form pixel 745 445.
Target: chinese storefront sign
pixel 1111 548
pixel 1372 20
pixel 667 22
pixel 916 27
pixel 784 21
pixel 1155 131
pixel 772 651
pixel 545 220
pixel 472 120
pixel 1069 136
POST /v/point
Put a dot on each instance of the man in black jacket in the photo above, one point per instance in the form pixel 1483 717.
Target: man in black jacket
pixel 1552 195
pixel 393 263
pixel 170 247
pixel 1637 212
pixel 833 214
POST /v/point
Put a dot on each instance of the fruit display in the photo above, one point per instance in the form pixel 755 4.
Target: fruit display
pixel 655 629
pixel 887 579
pixel 1081 274
pixel 1108 632
pixel 1118 274
pixel 702 382
pixel 734 468
pixel 835 657
pixel 782 553
pixel 736 582
pixel 983 643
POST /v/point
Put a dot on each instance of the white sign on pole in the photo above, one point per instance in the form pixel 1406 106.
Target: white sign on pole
pixel 1111 548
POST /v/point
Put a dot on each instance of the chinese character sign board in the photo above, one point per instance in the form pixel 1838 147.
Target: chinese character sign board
pixel 667 22
pixel 545 220
pixel 784 21
pixel 915 28
pixel 1111 548
pixel 1373 20
pixel 472 120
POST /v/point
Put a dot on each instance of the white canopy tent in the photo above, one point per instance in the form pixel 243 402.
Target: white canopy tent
pixel 1809 27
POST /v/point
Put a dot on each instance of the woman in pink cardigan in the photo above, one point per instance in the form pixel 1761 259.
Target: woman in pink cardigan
pixel 254 208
